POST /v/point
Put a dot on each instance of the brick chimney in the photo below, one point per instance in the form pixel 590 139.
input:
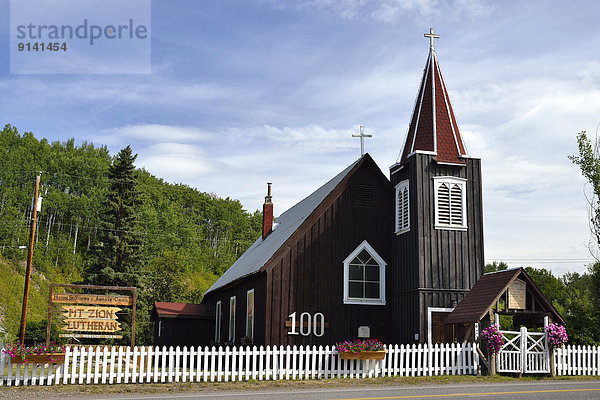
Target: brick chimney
pixel 267 224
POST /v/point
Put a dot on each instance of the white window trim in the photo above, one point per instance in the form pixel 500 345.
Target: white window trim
pixel 218 314
pixel 399 188
pixel 462 182
pixel 232 303
pixel 253 313
pixel 431 310
pixel 382 264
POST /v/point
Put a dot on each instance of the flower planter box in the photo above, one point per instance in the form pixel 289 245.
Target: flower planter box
pixel 57 358
pixel 363 355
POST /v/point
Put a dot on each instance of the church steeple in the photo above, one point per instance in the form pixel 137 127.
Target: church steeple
pixel 433 128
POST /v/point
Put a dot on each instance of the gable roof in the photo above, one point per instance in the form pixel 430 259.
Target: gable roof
pixel 486 292
pixel 287 223
pixel 433 127
pixel 182 310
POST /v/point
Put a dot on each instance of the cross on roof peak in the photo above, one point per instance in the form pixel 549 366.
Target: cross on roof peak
pixel 431 36
pixel 362 136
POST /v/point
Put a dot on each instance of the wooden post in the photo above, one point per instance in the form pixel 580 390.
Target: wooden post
pixel 49 328
pixel 133 317
pixel 549 350
pixel 29 260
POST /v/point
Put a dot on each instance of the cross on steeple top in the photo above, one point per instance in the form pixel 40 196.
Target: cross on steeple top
pixel 362 137
pixel 431 36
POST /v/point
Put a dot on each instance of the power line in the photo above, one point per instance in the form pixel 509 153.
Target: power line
pixel 534 216
pixel 542 260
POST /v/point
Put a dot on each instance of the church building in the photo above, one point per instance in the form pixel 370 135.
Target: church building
pixel 367 256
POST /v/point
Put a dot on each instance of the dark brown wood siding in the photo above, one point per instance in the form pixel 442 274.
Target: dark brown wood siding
pixel 307 274
pixel 435 266
pixel 239 290
pixel 183 331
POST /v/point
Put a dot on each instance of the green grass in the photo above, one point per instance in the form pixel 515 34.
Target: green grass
pixel 11 297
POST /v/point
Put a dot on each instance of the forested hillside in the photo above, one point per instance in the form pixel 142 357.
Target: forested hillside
pixel 187 238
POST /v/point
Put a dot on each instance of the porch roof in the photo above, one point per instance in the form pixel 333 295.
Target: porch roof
pixel 488 290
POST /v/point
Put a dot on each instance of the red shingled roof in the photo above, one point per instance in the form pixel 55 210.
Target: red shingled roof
pixel 182 310
pixel 433 127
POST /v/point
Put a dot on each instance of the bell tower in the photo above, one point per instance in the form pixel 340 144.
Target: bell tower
pixel 438 238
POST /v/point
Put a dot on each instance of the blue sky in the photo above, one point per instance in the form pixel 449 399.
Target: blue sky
pixel 245 92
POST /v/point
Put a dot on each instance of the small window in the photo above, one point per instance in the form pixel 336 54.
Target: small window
pixel 218 322
pixel 250 314
pixel 402 207
pixel 450 207
pixel 364 276
pixel 232 319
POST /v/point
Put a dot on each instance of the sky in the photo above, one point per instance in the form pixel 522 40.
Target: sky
pixel 242 93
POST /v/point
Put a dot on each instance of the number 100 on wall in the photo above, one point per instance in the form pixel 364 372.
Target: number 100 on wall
pixel 307 325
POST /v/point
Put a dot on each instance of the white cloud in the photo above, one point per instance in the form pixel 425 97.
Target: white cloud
pixel 132 91
pixel 156 132
pixel 305 139
pixel 393 10
pixel 591 73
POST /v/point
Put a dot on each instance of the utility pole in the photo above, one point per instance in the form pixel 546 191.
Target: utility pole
pixel 29 260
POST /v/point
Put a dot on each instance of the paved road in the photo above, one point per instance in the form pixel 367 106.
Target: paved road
pixel 538 390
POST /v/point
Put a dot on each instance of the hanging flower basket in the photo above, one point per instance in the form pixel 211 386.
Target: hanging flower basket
pixel 363 355
pixel 492 339
pixel 557 335
pixel 56 358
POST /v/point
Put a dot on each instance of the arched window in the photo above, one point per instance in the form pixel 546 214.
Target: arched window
pixel 364 276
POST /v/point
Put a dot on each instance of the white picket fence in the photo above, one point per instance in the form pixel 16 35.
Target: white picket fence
pixel 158 365
pixel 577 360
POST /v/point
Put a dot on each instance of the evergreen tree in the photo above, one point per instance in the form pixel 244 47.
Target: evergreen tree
pixel 119 261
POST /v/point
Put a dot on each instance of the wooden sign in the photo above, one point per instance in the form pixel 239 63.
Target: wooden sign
pixel 89 336
pixel 91 325
pixel 91 312
pixel 91 315
pixel 517 295
pixel 364 332
pixel 76 298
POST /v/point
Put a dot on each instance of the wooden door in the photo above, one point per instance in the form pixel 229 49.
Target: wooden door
pixel 440 332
